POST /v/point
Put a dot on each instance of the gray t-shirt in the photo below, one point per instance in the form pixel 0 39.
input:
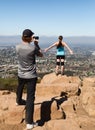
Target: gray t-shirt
pixel 26 60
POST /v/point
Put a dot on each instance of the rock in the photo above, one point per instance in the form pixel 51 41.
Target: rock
pixel 62 125
pixel 56 89
pixel 15 116
pixel 58 105
pixel 54 106
pixel 88 96
pixel 6 92
pixel 52 79
pixel 55 113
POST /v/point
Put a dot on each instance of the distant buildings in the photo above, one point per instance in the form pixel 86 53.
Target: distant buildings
pixel 82 63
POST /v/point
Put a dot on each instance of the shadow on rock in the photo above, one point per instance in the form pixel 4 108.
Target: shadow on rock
pixel 46 110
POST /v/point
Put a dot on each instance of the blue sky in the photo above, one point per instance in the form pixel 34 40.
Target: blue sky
pixel 48 17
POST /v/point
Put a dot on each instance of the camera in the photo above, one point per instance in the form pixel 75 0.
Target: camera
pixel 36 37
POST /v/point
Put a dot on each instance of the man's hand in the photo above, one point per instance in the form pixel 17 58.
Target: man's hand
pixel 36 41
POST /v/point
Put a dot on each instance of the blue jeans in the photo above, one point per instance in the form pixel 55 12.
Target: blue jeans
pixel 31 88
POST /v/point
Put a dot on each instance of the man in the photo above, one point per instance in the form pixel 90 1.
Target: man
pixel 27 74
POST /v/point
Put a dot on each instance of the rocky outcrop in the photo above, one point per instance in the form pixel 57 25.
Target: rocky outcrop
pixel 56 85
pixel 62 102
pixel 88 96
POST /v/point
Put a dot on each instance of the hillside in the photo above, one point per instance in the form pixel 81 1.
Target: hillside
pixel 62 103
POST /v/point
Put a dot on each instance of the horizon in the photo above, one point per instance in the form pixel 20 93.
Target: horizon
pixel 13 40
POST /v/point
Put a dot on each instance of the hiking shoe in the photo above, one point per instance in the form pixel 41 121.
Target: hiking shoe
pixel 56 73
pixel 22 102
pixel 62 73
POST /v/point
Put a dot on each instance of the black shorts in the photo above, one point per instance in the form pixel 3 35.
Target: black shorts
pixel 60 57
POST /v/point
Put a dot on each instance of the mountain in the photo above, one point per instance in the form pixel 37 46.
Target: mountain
pixel 9 40
pixel 48 40
pixel 76 40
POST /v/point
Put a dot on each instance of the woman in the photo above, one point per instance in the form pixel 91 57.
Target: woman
pixel 60 55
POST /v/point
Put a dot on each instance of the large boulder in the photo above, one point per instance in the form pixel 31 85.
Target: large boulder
pixel 88 96
pixel 56 85
pixel 53 79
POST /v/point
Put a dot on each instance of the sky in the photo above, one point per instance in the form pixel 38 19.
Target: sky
pixel 48 17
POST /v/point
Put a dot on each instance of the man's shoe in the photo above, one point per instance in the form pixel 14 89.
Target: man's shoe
pixel 31 126
pixel 56 73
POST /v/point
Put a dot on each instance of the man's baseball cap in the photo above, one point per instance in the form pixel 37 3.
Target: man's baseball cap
pixel 27 33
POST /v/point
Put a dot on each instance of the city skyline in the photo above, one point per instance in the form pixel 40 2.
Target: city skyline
pixel 48 17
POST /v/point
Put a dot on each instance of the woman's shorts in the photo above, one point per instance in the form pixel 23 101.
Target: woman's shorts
pixel 60 58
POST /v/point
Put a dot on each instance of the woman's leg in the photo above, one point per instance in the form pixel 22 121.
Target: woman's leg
pixel 62 64
pixel 57 65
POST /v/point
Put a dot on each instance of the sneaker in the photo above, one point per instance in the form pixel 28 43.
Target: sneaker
pixel 22 102
pixel 56 73
pixel 31 126
pixel 62 73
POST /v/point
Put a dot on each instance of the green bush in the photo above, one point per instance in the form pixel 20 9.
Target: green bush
pixel 11 84
pixel 8 84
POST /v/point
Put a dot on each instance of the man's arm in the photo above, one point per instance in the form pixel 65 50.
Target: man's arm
pixel 39 52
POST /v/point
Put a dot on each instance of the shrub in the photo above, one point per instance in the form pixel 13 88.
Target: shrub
pixel 8 84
